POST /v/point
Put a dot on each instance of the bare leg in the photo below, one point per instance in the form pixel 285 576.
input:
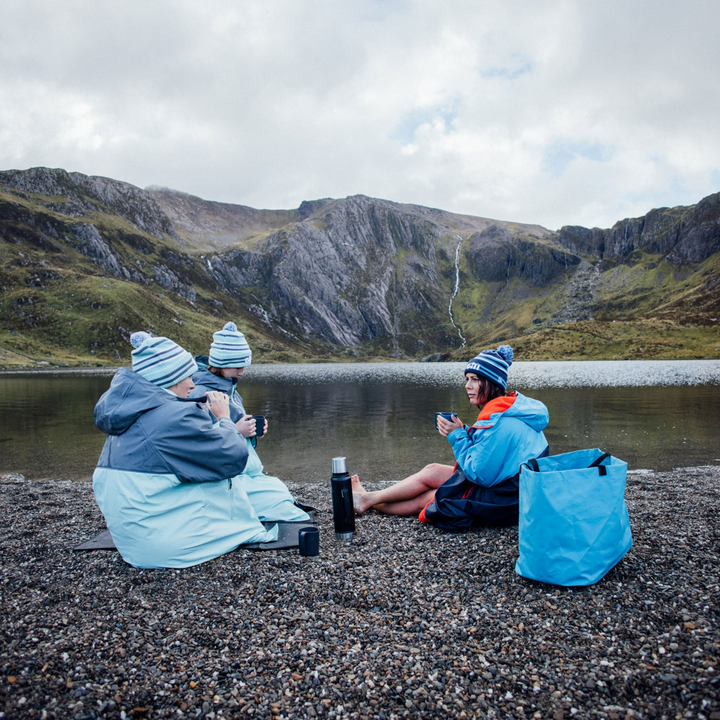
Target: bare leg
pixel 407 497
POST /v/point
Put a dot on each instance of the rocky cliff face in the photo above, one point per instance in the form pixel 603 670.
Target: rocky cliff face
pixel 76 195
pixel 356 272
pixel 496 255
pixel 682 235
pixel 361 269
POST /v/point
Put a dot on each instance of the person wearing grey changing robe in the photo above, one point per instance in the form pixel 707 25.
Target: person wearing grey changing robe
pixel 229 355
pixel 167 477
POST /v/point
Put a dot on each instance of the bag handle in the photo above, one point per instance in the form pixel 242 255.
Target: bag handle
pixel 533 462
pixel 598 464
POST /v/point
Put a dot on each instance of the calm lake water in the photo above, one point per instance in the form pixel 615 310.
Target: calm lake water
pixel 655 415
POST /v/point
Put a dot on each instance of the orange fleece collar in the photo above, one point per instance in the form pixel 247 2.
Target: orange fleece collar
pixel 498 405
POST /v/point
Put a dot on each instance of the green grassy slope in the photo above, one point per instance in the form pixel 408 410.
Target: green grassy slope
pixel 58 306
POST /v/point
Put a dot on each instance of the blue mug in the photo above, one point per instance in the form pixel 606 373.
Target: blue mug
pixel 309 540
pixel 259 425
pixel 447 415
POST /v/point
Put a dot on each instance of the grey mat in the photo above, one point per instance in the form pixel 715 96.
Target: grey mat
pixel 103 541
pixel 287 536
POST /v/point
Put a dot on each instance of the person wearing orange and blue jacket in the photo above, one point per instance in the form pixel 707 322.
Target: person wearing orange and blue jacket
pixel 482 487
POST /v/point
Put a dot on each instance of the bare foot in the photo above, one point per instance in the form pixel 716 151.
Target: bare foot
pixel 359 493
pixel 356 486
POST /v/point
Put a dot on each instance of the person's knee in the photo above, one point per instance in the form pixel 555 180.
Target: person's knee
pixel 436 472
pixel 435 468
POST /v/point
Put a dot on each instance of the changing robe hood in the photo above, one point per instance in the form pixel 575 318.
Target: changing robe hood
pixel 128 397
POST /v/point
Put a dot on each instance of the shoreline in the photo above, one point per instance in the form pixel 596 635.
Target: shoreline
pixel 404 621
pixel 527 374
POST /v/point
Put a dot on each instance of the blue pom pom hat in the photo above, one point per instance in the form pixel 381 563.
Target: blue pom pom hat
pixel 493 365
pixel 160 360
pixel 229 348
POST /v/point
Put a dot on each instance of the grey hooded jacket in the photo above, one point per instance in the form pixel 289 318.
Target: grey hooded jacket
pixel 152 431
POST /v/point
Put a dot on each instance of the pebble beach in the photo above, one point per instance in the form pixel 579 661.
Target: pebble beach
pixel 403 622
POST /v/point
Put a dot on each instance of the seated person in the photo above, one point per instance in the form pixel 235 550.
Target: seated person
pixel 220 372
pixel 166 480
pixel 482 488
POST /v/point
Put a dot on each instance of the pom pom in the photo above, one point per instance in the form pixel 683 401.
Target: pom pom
pixel 138 338
pixel 506 353
pixel 231 326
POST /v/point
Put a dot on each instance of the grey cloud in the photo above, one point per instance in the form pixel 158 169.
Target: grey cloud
pixel 548 112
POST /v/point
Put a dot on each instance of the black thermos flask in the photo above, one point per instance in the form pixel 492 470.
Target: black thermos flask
pixel 342 500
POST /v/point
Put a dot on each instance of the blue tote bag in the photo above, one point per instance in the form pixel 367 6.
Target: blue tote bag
pixel 574 524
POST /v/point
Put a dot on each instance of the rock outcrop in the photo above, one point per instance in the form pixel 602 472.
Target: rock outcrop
pixel 75 195
pixel 360 269
pixel 683 235
pixel 499 256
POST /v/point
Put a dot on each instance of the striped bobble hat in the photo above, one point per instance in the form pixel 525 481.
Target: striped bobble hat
pixel 229 348
pixel 492 364
pixel 160 360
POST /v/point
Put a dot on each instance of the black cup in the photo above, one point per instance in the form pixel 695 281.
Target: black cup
pixel 309 540
pixel 447 415
pixel 259 425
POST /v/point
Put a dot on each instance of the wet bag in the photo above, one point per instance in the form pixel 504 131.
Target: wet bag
pixel 574 524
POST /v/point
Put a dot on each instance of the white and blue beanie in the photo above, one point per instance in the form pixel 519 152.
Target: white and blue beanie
pixel 160 360
pixel 229 348
pixel 493 365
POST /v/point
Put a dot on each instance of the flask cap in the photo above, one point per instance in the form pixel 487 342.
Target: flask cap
pixel 339 466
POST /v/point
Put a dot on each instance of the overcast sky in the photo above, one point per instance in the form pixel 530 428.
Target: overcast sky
pixel 546 111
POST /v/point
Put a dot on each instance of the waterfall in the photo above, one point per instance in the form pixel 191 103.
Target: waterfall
pixel 456 290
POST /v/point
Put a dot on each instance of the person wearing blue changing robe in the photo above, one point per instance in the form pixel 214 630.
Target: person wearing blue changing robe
pixel 229 355
pixel 167 477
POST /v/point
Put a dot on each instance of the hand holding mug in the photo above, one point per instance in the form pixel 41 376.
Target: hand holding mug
pixel 447 422
pixel 246 426
pixel 260 425
pixel 218 403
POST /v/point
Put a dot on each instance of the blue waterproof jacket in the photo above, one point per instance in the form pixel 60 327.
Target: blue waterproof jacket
pixel 164 480
pixel 484 489
pixel 269 496
pixel 507 433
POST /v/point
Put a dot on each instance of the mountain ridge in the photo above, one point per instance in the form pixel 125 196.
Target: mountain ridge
pixel 341 278
pixel 185 209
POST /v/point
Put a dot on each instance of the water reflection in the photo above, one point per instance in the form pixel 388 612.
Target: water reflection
pixel 379 417
pixel 46 425
pixel 386 430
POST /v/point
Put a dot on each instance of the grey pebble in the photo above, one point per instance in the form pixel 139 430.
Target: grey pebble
pixel 404 621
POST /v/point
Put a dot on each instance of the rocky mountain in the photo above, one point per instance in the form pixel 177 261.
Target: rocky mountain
pixel 85 260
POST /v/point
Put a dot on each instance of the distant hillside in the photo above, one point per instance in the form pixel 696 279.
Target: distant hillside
pixel 84 261
pixel 206 225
